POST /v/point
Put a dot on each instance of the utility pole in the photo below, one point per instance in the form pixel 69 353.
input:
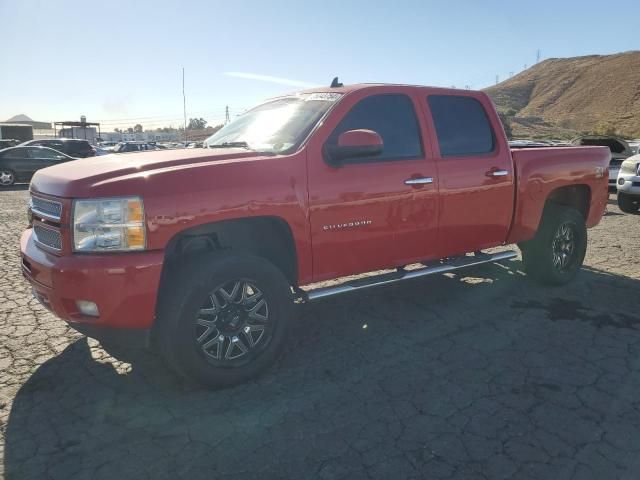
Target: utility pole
pixel 538 56
pixel 226 115
pixel 184 109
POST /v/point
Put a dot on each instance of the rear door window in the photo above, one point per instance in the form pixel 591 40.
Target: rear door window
pixel 462 125
pixel 19 153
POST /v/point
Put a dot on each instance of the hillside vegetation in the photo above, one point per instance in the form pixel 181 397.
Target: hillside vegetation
pixel 562 97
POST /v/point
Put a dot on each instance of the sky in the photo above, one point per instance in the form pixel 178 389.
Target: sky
pixel 120 62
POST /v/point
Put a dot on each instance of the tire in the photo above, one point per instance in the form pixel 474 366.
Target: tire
pixel 202 333
pixel 628 203
pixel 556 253
pixel 7 177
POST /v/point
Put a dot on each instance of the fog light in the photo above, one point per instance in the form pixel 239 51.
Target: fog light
pixel 621 181
pixel 87 308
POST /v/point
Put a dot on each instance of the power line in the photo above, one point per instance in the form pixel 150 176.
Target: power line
pixel 164 122
pixel 172 115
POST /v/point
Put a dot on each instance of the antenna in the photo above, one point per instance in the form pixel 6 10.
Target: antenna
pixel 226 115
pixel 538 56
pixel 184 108
pixel 336 83
pixel 497 79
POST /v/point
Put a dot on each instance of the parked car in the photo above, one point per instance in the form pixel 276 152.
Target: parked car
pixel 629 185
pixel 18 164
pixel 619 148
pixel 7 142
pixel 124 147
pixel 527 144
pixel 635 146
pixel 107 146
pixel 70 146
pixel 204 250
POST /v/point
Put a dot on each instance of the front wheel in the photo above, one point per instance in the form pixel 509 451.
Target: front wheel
pixel 223 319
pixel 7 177
pixel 628 203
pixel 556 253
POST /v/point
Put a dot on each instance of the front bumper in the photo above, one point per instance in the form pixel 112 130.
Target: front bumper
pixel 631 185
pixel 124 286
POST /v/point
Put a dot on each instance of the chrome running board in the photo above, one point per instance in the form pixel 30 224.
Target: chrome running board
pixel 401 275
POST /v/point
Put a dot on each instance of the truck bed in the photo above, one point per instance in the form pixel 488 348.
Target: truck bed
pixel 541 170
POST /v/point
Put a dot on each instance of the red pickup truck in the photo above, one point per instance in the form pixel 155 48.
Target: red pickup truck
pixel 201 253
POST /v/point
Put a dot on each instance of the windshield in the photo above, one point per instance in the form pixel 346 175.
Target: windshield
pixel 276 126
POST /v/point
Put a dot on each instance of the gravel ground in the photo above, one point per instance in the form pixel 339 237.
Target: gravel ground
pixel 478 375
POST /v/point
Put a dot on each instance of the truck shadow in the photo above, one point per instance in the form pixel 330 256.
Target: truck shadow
pixel 357 373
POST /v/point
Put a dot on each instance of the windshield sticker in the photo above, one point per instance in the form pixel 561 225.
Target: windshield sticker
pixel 325 96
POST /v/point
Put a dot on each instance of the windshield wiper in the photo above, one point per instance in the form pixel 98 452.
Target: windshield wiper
pixel 231 145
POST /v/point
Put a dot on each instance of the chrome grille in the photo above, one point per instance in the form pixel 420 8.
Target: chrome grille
pixel 46 208
pixel 48 237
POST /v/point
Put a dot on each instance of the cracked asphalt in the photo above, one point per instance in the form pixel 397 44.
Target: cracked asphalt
pixel 481 375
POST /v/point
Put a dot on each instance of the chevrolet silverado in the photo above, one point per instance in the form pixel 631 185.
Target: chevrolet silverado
pixel 201 253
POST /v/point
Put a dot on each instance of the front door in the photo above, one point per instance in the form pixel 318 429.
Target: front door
pixel 40 158
pixel 370 213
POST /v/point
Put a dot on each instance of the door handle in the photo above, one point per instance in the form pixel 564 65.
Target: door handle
pixel 418 181
pixel 496 172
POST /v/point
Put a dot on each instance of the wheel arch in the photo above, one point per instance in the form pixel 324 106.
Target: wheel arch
pixel 576 196
pixel 269 237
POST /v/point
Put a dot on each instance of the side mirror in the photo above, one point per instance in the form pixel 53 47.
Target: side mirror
pixel 354 144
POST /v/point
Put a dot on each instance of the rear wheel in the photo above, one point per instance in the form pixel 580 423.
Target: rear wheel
pixel 7 177
pixel 628 203
pixel 554 256
pixel 223 319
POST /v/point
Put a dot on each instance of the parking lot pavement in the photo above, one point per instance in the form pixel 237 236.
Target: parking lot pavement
pixel 477 375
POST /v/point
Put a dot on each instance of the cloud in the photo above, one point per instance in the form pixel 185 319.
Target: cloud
pixel 269 78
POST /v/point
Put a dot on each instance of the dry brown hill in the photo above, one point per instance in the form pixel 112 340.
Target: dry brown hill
pixel 561 96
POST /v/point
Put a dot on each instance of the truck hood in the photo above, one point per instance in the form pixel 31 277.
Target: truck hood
pixel 77 178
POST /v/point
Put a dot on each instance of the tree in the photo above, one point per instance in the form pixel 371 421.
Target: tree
pixel 117 130
pixel 212 130
pixel 197 124
pixel 137 128
pixel 129 130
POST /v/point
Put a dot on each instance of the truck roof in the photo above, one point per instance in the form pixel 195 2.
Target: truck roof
pixel 365 86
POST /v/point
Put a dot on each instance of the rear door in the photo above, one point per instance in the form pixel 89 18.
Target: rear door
pixel 475 172
pixel 363 214
pixel 17 160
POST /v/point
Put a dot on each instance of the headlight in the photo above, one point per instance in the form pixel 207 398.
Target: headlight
pixel 107 225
